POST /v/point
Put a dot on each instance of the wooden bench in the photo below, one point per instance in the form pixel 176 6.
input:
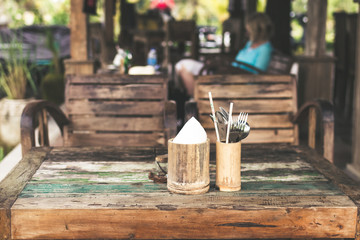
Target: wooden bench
pixel 107 110
pixel 271 101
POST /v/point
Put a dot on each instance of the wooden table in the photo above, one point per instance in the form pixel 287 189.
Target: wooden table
pixel 104 192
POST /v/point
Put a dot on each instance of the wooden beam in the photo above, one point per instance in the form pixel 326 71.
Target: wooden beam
pixel 109 20
pixel 315 44
pixel 280 16
pixel 354 167
pixel 79 32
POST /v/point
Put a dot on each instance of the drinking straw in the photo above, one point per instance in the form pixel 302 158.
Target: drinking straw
pixel 229 123
pixel 213 113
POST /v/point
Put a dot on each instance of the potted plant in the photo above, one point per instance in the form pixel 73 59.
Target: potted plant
pixel 14 79
pixel 52 85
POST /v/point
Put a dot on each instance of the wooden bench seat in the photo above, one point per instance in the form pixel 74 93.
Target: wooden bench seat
pixel 270 100
pixel 109 110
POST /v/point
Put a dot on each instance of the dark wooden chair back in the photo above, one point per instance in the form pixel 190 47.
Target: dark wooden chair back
pixel 270 100
pixel 279 64
pixel 116 110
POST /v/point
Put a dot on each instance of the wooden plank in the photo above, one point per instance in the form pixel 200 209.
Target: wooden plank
pixel 137 183
pixel 269 152
pixel 173 221
pixel 250 105
pixel 262 136
pixel 250 178
pixel 255 121
pixel 211 200
pixel 54 169
pixel 119 139
pixel 245 78
pixel 130 91
pixel 116 124
pixel 237 91
pixel 104 153
pixel 118 79
pixel 277 200
pixel 13 184
pixel 115 107
pixel 89 172
pixel 164 193
pixel 346 184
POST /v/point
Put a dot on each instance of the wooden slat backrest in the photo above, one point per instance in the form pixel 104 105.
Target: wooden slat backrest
pixel 270 100
pixel 115 110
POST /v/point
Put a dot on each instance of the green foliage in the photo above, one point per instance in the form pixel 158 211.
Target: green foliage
pixel 52 88
pixel 28 12
pixel 203 12
pixel 300 7
pixel 15 73
pixel 52 85
pixel 1 153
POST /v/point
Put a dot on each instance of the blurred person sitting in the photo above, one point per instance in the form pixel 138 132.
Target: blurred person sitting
pixel 256 53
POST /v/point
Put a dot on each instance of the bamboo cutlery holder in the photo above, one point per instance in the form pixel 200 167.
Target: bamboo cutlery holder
pixel 188 167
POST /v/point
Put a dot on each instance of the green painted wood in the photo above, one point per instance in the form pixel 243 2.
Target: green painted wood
pixel 142 187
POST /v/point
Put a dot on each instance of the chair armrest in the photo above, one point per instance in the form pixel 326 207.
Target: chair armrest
pixel 191 110
pixel 321 111
pixel 223 66
pixel 170 118
pixel 257 70
pixel 29 122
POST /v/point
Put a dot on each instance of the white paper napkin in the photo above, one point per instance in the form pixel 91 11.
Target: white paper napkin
pixel 191 133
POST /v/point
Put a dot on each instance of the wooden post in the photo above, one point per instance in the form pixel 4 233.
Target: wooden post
pixel 279 13
pixel 79 62
pixel 354 167
pixel 316 69
pixel 315 44
pixel 312 128
pixel 109 46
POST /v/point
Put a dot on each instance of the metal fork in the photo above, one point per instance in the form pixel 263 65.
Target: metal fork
pixel 241 121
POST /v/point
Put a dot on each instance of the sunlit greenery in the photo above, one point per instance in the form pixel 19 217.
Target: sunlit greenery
pixel 206 12
pixel 28 12
pixel 299 7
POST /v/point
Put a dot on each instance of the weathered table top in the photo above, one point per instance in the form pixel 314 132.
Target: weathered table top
pixel 104 192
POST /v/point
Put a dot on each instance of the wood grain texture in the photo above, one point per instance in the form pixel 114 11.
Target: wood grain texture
pixel 130 91
pixel 13 184
pixel 114 110
pixel 250 105
pixel 115 107
pixel 255 121
pixel 116 139
pixel 115 123
pixel 79 32
pixel 228 166
pixel 102 192
pixel 245 91
pixel 116 79
pixel 262 136
pixel 165 221
pixel 245 78
pixel 188 168
pixel 270 101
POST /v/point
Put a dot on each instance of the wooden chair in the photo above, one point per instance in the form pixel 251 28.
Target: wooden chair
pixel 271 101
pixel 279 64
pixel 106 110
